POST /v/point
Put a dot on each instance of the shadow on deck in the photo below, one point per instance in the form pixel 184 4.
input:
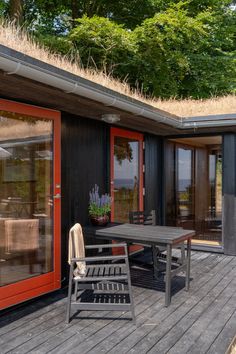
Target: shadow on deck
pixel 201 321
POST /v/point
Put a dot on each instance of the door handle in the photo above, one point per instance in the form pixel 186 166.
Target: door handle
pixel 57 196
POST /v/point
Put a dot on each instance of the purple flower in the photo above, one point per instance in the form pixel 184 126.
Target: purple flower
pixel 99 205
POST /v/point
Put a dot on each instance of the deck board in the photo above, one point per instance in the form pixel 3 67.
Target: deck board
pixel 201 321
pixel 146 337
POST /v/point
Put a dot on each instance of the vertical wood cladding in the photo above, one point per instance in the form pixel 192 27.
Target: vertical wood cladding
pixel 153 174
pixel 169 183
pixel 201 184
pixel 84 161
pixel 229 194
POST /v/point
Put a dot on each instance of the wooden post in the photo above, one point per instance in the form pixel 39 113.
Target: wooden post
pixel 229 194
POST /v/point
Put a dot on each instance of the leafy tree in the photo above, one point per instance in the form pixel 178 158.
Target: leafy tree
pixel 103 44
pixel 123 151
pixel 213 65
pixel 131 13
pixel 3 7
pixel 163 47
pixel 163 44
pixel 181 55
pixel 15 8
pixel 48 15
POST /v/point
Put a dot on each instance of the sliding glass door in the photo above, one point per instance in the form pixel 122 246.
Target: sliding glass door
pixel 184 186
pixel 193 187
pixel 29 202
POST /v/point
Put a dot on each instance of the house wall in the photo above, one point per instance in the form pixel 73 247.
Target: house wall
pixel 153 178
pixel 169 205
pixel 85 145
pixel 84 162
pixel 229 194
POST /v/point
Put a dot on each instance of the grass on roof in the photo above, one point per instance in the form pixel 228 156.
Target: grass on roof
pixel 20 41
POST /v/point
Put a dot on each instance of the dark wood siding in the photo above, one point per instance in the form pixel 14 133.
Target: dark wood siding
pixel 169 183
pixel 153 174
pixel 84 161
pixel 201 184
pixel 229 194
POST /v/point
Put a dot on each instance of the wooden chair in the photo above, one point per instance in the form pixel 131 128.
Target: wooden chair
pixel 106 284
pixel 144 218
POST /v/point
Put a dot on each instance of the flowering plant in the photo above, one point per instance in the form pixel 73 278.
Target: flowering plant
pixel 99 206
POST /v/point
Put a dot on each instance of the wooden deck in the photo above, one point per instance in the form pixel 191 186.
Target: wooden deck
pixel 201 321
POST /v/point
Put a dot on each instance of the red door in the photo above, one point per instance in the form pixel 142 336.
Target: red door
pixel 126 174
pixel 30 190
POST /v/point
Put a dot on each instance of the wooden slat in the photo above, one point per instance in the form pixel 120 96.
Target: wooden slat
pixel 127 332
pixel 23 333
pixel 223 339
pixel 97 277
pixel 147 233
pixel 147 335
pixel 156 339
pixel 61 344
pixel 202 321
pixel 215 341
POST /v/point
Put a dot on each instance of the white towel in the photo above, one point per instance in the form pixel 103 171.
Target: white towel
pixel 76 250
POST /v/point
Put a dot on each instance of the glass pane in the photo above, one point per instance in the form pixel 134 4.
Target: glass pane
pixel 26 208
pixel 213 220
pixel 126 178
pixel 194 187
pixel 184 185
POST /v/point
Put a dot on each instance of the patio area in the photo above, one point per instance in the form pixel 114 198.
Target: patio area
pixel 202 320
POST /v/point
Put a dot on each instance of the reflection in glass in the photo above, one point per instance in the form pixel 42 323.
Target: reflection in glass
pixel 26 209
pixel 194 187
pixel 126 177
pixel 184 191
pixel 213 220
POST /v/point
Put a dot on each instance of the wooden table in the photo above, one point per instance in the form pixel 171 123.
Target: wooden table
pixel 154 236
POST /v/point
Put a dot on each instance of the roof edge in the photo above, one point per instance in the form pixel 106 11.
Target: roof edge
pixel 14 62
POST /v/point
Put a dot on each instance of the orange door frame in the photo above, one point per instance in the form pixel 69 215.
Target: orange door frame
pixel 26 289
pixel 130 135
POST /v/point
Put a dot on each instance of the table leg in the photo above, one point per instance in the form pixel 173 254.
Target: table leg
pixel 182 253
pixel 168 276
pixel 155 262
pixel 187 280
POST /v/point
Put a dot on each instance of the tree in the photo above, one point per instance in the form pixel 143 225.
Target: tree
pixel 165 48
pixel 3 7
pixel 183 55
pixel 15 10
pixel 213 65
pixel 103 44
pixel 163 44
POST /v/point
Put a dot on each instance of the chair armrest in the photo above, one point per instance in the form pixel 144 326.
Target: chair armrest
pixel 98 258
pixel 111 245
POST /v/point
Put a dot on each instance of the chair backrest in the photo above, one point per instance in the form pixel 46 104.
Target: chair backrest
pixel 142 217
